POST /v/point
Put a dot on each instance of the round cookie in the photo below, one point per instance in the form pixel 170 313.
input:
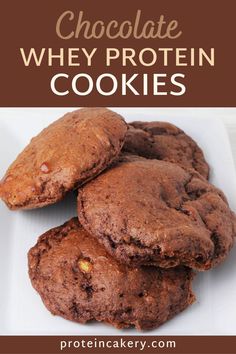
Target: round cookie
pixel 164 141
pixel 78 280
pixel 67 153
pixel 155 212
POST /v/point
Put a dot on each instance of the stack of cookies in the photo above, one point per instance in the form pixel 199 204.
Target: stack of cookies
pixel 147 218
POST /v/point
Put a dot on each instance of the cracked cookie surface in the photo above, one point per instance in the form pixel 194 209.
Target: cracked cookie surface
pixel 165 141
pixel 155 212
pixel 78 280
pixel 67 153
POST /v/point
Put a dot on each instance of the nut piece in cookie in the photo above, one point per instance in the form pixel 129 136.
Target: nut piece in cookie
pixel 164 141
pixel 78 280
pixel 153 212
pixel 67 153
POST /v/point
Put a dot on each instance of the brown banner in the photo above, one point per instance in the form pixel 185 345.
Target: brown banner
pixel 184 30
pixel 118 344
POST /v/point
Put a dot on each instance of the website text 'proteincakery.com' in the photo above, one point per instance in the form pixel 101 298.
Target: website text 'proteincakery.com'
pixel 118 343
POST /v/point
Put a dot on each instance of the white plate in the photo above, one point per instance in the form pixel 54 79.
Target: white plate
pixel 22 311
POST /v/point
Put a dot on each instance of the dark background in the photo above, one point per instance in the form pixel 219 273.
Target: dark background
pixel 206 24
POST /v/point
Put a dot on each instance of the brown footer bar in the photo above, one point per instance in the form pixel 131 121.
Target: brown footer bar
pixel 117 344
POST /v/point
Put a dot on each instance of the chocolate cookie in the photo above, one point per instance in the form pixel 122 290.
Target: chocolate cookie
pixel 155 212
pixel 78 280
pixel 69 152
pixel 164 141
